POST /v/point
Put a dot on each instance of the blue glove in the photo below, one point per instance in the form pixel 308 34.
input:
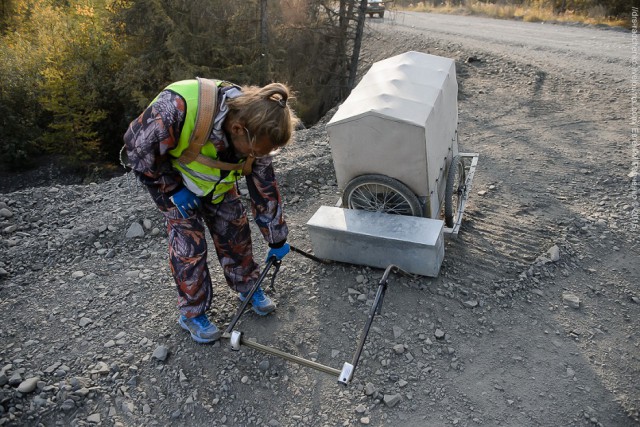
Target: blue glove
pixel 185 200
pixel 279 253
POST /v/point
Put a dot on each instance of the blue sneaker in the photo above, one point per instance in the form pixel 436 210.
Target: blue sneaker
pixel 201 329
pixel 261 303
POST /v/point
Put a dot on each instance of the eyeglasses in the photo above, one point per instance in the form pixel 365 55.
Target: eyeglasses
pixel 252 142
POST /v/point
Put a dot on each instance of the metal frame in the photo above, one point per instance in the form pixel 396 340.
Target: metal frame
pixel 452 232
pixel 345 375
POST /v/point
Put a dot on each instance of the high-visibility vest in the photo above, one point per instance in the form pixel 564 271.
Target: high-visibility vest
pixel 199 178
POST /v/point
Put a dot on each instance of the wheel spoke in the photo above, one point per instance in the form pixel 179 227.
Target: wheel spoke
pixel 380 196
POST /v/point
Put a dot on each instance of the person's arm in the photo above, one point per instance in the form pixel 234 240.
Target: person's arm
pixel 148 141
pixel 266 203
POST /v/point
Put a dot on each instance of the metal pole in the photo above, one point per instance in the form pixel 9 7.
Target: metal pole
pixel 290 357
pixel 375 308
pixel 247 300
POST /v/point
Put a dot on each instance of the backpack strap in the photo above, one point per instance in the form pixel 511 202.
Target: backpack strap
pixel 207 111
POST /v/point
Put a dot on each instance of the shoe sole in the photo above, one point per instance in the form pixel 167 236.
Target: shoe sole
pixel 196 338
pixel 257 310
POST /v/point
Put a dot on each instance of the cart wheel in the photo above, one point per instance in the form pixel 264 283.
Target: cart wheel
pixel 454 191
pixel 380 193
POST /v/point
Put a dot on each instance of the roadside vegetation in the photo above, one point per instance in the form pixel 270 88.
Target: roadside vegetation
pixel 613 13
pixel 75 72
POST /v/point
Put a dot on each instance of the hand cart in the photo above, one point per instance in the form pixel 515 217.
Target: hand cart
pixel 394 141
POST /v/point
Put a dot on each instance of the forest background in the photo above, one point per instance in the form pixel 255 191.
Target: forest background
pixel 74 73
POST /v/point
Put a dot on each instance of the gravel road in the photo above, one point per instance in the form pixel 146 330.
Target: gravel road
pixel 565 48
pixel 533 320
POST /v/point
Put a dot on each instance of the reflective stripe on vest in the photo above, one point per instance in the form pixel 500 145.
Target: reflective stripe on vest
pixel 197 177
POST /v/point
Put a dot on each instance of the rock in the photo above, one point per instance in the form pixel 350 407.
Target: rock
pixel 147 223
pixel 133 274
pixel 134 231
pixel 85 321
pixel 470 303
pixel 77 274
pixel 15 379
pixel 68 405
pixel 94 418
pixel 391 400
pixel 365 420
pixel 5 213
pixel 439 334
pixel 3 272
pixel 397 332
pixel 160 353
pixel 28 385
pixel 398 348
pixel 571 300
pixel 264 365
pixel 554 253
pixel 109 344
pixel 101 368
pixel 369 389
pixel 360 409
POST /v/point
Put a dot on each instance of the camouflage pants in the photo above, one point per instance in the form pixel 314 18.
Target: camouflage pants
pixel 229 228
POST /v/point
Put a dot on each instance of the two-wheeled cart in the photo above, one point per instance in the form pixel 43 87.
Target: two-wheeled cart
pixel 394 141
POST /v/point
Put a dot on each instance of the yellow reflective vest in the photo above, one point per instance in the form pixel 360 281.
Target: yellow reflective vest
pixel 197 177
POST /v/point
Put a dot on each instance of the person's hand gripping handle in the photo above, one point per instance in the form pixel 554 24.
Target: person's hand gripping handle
pixel 278 253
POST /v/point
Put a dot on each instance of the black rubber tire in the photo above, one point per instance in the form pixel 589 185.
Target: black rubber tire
pixel 380 193
pixel 454 190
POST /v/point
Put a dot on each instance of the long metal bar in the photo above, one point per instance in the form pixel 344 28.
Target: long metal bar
pixel 290 357
pixel 375 308
pixel 247 300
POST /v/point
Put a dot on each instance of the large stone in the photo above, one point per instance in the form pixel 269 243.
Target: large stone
pixel 391 400
pixel 571 300
pixel 160 353
pixel 28 385
pixel 135 230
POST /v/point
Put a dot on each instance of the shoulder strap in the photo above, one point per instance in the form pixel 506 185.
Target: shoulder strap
pixel 207 110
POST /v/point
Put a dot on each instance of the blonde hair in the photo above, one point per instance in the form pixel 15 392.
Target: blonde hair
pixel 265 111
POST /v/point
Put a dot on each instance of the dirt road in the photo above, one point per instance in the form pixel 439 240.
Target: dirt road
pixel 90 312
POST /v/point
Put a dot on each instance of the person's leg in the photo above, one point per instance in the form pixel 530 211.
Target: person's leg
pixel 188 262
pixel 229 227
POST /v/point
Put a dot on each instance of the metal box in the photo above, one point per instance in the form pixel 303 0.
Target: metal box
pixel 415 244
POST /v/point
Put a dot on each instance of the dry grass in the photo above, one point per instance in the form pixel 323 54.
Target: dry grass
pixel 529 13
